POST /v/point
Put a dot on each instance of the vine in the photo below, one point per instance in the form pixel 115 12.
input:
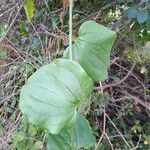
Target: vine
pixel 52 95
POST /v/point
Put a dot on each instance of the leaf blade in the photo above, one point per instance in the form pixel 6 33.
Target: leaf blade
pixel 29 9
pixel 79 136
pixel 52 94
pixel 92 49
pixel 57 142
pixel 132 12
pixel 82 133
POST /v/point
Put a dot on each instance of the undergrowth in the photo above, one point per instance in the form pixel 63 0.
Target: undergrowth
pixel 118 110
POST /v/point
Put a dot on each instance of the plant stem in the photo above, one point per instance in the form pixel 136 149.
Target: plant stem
pixel 70 29
pixel 101 88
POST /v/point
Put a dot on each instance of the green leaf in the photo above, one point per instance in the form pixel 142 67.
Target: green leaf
pixel 142 16
pixel 79 136
pixel 24 30
pixel 29 9
pixel 132 12
pixel 57 142
pixel 53 93
pixel 92 49
pixel 82 133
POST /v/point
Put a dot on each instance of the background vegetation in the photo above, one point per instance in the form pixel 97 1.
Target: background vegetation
pixel 119 109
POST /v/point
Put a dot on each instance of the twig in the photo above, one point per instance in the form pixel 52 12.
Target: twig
pixel 137 145
pixel 11 23
pixel 70 29
pixel 117 136
pixel 104 8
pixel 136 99
pixel 8 10
pixel 131 73
pixel 46 31
pixel 118 131
pixel 103 132
pixel 121 81
pixel 109 141
pixel 38 37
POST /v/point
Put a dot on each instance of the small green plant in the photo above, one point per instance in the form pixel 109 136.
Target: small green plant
pixel 53 95
pixel 139 13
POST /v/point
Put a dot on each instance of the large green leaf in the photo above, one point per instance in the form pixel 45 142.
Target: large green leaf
pixel 79 136
pixel 53 93
pixel 92 49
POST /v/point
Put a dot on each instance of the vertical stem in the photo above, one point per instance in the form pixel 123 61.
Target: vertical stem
pixel 70 29
pixel 101 88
